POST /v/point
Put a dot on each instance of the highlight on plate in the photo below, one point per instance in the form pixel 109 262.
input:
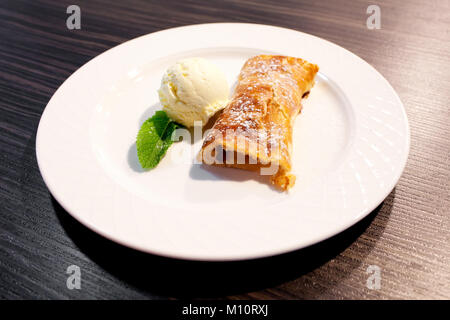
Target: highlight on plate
pixel 252 130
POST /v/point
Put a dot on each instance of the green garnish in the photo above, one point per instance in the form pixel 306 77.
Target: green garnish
pixel 154 138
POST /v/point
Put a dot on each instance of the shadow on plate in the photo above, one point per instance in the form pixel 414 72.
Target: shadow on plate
pixel 133 160
pixel 213 173
pixel 194 279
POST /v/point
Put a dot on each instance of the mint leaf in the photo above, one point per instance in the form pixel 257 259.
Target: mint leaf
pixel 154 138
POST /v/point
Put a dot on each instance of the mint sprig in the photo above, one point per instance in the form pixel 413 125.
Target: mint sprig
pixel 154 138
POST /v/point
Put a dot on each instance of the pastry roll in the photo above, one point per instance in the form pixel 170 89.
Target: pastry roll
pixel 254 131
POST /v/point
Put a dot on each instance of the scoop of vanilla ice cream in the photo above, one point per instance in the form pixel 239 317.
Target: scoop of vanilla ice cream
pixel 193 89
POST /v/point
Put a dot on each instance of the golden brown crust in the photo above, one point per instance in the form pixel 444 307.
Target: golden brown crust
pixel 258 121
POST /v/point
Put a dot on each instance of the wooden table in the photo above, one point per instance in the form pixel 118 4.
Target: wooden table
pixel 407 237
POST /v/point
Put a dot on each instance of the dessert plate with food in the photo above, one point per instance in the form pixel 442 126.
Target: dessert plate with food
pixel 222 141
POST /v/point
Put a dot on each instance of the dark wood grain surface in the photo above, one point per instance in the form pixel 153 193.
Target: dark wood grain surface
pixel 408 236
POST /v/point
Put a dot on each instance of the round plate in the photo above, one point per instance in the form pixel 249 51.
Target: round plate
pixel 351 143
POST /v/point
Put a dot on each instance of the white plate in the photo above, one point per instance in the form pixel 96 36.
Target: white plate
pixel 351 142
